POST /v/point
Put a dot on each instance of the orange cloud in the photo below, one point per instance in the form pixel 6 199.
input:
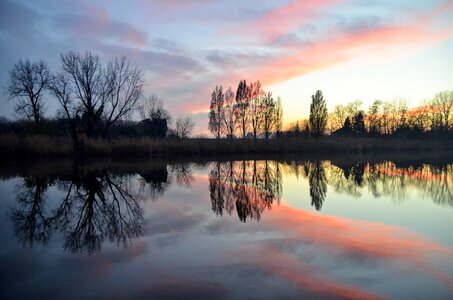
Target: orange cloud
pixel 305 58
pixel 375 240
pixel 280 264
pixel 341 49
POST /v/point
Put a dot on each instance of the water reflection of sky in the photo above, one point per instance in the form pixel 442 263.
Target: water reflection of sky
pixel 356 246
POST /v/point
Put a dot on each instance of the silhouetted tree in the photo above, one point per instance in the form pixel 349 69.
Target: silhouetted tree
pixel 153 108
pixel 255 108
pixel 442 105
pixel 347 125
pixel 318 114
pixel 126 80
pixel 268 115
pixel 184 127
pixel 278 117
pixel 27 83
pixel 59 86
pixel 216 112
pixel 359 124
pixel 155 118
pixel 229 118
pixel 374 117
pixel 102 95
pixel 241 107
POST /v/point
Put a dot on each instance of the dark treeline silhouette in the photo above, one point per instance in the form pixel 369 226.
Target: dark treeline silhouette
pixel 382 119
pixel 95 100
pixel 249 187
pixel 394 118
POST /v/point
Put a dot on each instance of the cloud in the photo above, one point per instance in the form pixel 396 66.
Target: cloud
pixel 286 18
pixel 189 47
pixel 16 19
pixel 96 23
pixel 289 268
pixel 306 57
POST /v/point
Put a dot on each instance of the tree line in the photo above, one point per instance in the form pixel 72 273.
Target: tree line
pixel 382 118
pixel 250 111
pixel 92 96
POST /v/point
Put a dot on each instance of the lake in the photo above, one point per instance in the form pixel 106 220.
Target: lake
pixel 230 229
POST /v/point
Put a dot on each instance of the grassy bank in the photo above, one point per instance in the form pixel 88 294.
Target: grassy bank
pixel 13 146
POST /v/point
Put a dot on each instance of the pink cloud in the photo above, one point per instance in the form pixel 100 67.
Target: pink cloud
pixel 288 17
pixel 297 59
pixel 280 264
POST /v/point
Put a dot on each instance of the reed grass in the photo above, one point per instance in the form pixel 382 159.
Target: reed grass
pixel 45 146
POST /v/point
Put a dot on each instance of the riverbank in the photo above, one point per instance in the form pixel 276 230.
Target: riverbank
pixel 14 146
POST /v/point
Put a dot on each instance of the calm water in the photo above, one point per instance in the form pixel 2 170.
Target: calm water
pixel 227 230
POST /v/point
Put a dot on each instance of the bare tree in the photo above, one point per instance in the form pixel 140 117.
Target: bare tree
pixel 268 115
pixel 153 108
pixel 184 127
pixel 229 119
pixel 27 84
pixel 278 117
pixel 126 82
pixel 102 95
pixel 338 116
pixel 255 107
pixel 241 107
pixel 442 105
pixel 216 111
pixel 89 85
pixel 59 87
pixel 374 117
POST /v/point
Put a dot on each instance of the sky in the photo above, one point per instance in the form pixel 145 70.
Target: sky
pixel 351 50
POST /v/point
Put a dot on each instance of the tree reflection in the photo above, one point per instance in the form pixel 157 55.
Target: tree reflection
pixel 250 187
pixel 97 205
pixel 318 185
pixel 390 180
pixel 154 182
pixel 30 221
pixel 182 172
pixel 382 179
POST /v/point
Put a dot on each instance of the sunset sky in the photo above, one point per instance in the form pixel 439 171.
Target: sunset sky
pixel 350 50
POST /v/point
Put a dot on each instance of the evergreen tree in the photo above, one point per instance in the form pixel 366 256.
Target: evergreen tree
pixel 347 125
pixel 359 124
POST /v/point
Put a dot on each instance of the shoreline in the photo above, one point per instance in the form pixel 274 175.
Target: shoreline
pixel 31 147
pixel 14 146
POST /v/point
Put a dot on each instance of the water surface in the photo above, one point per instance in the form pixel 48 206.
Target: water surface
pixel 245 229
